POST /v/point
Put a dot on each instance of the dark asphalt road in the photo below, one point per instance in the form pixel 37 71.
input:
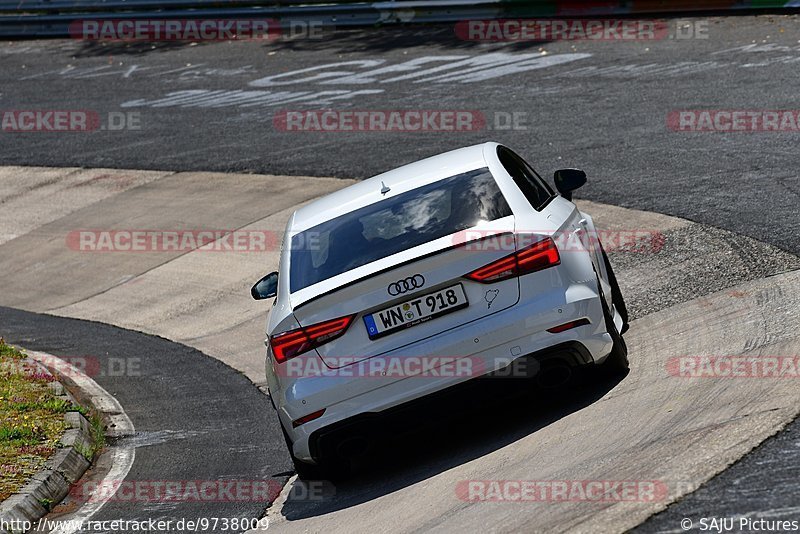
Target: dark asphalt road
pixel 196 419
pixel 762 485
pixel 605 112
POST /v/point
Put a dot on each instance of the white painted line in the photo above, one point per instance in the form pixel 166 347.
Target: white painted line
pixel 121 456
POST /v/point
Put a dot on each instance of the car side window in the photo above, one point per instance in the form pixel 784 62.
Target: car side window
pixel 536 190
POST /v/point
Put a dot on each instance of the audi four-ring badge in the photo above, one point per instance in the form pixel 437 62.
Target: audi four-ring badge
pixel 406 284
pixel 469 256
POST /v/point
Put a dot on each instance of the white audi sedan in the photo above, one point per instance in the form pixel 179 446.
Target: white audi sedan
pixel 417 281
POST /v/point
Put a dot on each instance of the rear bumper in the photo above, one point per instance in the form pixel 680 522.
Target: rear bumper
pixel 324 443
pixel 508 336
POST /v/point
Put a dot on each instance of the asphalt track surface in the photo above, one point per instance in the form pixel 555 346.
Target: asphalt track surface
pixel 196 419
pixel 605 113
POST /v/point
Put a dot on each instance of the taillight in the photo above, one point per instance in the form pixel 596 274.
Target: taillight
pixel 568 326
pixel 306 418
pixel 295 342
pixel 540 255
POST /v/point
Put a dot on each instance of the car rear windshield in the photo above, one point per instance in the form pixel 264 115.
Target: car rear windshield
pixel 390 226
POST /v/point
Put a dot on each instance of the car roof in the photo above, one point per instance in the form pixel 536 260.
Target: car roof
pixel 398 180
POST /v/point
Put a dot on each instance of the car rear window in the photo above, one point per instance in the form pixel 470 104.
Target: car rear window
pixel 390 226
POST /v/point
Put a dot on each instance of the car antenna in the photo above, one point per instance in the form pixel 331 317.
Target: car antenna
pixel 384 189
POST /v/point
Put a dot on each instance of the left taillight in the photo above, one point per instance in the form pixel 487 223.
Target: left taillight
pixel 540 255
pixel 306 418
pixel 293 343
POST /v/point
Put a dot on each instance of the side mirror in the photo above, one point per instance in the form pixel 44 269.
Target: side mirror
pixel 568 180
pixel 266 287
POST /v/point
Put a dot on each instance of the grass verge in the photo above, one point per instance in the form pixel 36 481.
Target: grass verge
pixel 31 420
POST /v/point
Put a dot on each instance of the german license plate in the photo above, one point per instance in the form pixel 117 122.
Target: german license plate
pixel 415 311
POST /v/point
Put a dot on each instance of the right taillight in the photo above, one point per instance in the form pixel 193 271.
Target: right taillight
pixel 306 418
pixel 568 326
pixel 295 342
pixel 540 255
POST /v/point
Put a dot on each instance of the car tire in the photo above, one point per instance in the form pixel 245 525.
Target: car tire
pixel 616 293
pixel 307 471
pixel 617 361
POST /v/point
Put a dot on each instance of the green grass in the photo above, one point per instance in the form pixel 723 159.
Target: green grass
pixel 98 434
pixel 31 420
